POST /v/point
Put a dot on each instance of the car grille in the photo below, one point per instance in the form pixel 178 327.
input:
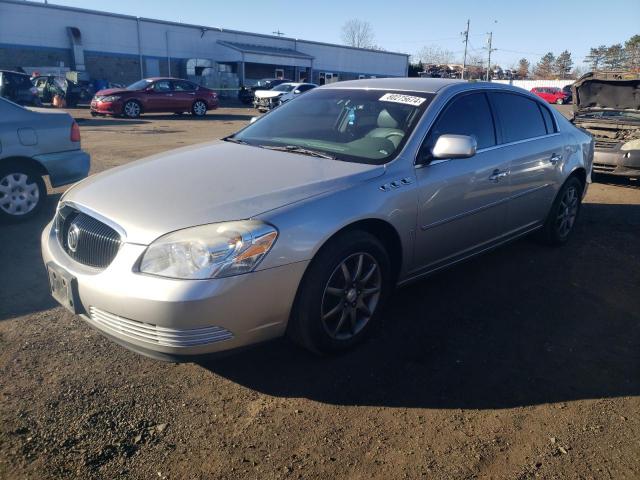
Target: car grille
pixel 603 167
pixel 156 335
pixel 94 243
pixel 606 144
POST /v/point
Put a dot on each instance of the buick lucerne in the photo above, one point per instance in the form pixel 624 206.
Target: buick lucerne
pixel 303 222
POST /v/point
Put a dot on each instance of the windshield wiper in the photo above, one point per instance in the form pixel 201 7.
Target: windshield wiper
pixel 300 150
pixel 232 139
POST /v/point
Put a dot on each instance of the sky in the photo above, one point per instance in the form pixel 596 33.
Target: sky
pixel 520 29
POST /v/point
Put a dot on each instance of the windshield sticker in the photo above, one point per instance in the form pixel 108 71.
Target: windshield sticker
pixel 406 99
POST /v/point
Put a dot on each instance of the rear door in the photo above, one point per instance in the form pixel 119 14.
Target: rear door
pixel 183 95
pixel 461 202
pixel 528 137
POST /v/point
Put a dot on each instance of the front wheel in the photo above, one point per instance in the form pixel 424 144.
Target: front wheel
pixel 559 101
pixel 22 193
pixel 131 109
pixel 563 214
pixel 341 293
pixel 199 108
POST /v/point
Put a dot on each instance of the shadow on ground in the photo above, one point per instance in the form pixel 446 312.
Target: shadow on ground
pixel 108 122
pixel 24 286
pixel 524 325
pixel 617 181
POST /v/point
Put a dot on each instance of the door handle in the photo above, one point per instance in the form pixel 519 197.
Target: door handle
pixel 497 175
pixel 555 158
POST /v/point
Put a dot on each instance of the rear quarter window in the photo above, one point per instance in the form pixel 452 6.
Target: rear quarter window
pixel 518 116
pixel 548 119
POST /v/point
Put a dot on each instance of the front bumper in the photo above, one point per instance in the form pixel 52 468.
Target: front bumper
pixel 106 108
pixel 613 161
pixel 65 167
pixel 168 319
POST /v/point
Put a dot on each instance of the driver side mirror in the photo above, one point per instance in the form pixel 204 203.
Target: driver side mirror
pixel 454 146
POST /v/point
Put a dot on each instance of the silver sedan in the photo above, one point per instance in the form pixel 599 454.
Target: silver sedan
pixel 36 143
pixel 302 223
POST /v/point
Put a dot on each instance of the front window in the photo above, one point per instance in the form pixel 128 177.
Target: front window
pixel 364 126
pixel 139 85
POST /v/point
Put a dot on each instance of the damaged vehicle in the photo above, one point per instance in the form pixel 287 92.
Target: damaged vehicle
pixel 265 100
pixel 610 111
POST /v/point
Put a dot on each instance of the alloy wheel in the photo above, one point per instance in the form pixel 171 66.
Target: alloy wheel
pixel 199 108
pixel 132 109
pixel 351 296
pixel 567 212
pixel 17 195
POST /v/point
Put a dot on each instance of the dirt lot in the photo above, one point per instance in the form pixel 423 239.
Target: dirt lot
pixel 523 363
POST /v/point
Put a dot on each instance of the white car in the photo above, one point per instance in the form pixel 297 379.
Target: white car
pixel 267 99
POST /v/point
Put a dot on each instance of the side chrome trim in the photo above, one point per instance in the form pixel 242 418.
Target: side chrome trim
pixel 484 207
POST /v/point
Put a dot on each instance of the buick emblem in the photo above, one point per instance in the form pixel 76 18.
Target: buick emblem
pixel 72 238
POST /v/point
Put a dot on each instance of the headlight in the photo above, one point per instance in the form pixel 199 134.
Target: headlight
pixel 209 251
pixel 632 145
pixel 110 98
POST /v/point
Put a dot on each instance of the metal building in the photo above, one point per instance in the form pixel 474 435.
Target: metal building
pixel 122 49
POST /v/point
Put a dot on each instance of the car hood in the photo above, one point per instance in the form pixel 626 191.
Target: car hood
pixel 591 93
pixel 112 91
pixel 208 183
pixel 268 93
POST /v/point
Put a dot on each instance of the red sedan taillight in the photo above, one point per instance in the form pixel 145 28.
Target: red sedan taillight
pixel 75 132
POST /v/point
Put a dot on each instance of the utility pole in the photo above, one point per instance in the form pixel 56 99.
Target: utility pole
pixel 490 50
pixel 466 43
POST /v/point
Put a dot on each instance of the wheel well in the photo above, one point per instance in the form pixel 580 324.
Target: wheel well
pixel 384 232
pixel 25 161
pixel 580 174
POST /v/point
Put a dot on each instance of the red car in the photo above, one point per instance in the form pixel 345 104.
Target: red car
pixel 155 95
pixel 551 94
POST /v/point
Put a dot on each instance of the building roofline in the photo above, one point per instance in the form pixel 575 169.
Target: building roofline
pixel 191 25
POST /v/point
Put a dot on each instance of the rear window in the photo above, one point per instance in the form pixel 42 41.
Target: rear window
pixel 519 117
pixel 548 120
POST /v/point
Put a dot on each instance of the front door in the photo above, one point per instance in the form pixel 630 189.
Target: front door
pixel 159 97
pixel 462 203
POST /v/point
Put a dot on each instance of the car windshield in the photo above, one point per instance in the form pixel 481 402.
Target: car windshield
pixel 355 125
pixel 139 85
pixel 265 82
pixel 285 87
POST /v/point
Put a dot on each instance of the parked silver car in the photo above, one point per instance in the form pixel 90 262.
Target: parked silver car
pixel 35 143
pixel 303 222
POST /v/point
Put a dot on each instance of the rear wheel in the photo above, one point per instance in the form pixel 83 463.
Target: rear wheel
pixel 22 193
pixel 341 293
pixel 131 109
pixel 199 108
pixel 563 214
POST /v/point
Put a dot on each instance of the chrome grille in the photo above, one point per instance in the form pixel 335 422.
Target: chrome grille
pixel 96 244
pixel 156 335
pixel 606 144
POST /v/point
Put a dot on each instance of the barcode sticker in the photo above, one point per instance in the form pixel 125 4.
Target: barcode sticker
pixel 399 98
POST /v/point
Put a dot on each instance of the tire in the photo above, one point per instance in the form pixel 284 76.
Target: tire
pixel 22 193
pixel 563 214
pixel 332 313
pixel 199 108
pixel 131 109
pixel 559 101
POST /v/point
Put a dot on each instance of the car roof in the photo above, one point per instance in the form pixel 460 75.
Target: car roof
pixel 426 85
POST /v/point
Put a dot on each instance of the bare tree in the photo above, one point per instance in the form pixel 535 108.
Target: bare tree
pixel 358 33
pixel 435 55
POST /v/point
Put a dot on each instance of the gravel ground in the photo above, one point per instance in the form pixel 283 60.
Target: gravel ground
pixel 524 363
